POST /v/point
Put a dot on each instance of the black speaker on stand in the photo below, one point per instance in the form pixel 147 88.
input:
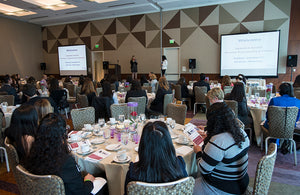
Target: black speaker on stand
pixel 43 66
pixel 291 61
pixel 192 65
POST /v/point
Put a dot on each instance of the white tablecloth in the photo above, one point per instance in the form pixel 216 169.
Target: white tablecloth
pixel 8 114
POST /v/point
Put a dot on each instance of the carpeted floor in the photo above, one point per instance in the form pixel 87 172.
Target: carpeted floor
pixel 285 179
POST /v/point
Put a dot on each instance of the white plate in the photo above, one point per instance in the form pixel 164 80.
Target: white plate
pixel 86 135
pixel 136 149
pixel 72 141
pixel 84 153
pixel 174 136
pixel 97 141
pixel 122 161
pixel 182 143
pixel 84 129
pixel 114 147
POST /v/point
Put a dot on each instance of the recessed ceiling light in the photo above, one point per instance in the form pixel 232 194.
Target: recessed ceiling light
pixel 51 4
pixel 15 11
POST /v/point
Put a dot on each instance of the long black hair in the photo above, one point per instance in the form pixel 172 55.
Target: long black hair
pixel 50 149
pixel 157 157
pixel 106 90
pixel 238 92
pixel 221 119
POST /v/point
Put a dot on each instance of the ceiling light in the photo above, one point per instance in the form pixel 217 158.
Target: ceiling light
pixel 15 11
pixel 51 4
pixel 102 1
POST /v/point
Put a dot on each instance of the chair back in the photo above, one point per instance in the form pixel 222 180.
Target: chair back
pixel 12 155
pixel 282 121
pixel 227 89
pixel 177 92
pixel 181 186
pixel 233 105
pixel 118 109
pixel 262 92
pixel 99 90
pixel 146 85
pixel 82 116
pixel 71 89
pixel 38 184
pixel 168 98
pixel 141 103
pixel 148 88
pixel 3 93
pixel 177 112
pixel 82 100
pixel 264 171
pixel 200 94
pixel 77 90
pixel 10 99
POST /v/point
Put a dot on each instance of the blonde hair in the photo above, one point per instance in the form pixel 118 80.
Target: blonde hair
pixel 43 107
pixel 153 76
pixel 216 92
pixel 163 83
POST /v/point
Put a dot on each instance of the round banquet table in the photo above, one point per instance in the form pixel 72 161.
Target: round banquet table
pixel 116 173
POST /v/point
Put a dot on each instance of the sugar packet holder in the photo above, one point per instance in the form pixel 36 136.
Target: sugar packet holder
pixel 192 132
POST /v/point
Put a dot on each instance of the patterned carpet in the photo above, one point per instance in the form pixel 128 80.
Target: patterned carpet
pixel 285 178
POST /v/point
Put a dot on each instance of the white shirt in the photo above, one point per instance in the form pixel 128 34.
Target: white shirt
pixel 164 65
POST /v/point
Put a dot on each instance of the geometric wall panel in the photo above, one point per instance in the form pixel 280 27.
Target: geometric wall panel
pixel 86 41
pixel 165 41
pixel 64 33
pixel 193 14
pixel 273 12
pixel 121 38
pixel 212 31
pixel 94 30
pixel 273 24
pixel 225 17
pixel 141 37
pixel 254 26
pixel 82 26
pixel 134 20
pixel 71 33
pixel 205 12
pixel 186 21
pixel 140 26
pixel 257 13
pixel 112 29
pixel 174 22
pixel 155 43
pixel 185 33
pixel 125 21
pixel 150 25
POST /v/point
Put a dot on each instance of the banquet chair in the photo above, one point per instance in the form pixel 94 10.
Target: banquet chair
pixel 71 89
pixel 200 93
pixel 146 85
pixel 12 155
pixel 141 103
pixel 168 98
pixel 10 99
pixel 148 88
pixel 82 101
pixel 179 97
pixel 118 109
pixel 3 93
pixel 82 116
pixel 29 183
pixel 102 107
pixel 2 146
pixel 281 125
pixel 233 105
pixel 264 171
pixel 177 112
pixel 181 186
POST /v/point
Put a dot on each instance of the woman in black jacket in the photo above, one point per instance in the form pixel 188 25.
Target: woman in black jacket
pixel 184 89
pixel 136 91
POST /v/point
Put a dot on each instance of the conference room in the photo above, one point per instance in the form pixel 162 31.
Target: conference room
pixel 121 41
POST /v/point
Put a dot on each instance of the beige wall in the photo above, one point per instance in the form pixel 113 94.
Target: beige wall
pixel 21 48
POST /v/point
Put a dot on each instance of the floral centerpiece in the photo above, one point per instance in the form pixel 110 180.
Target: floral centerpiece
pixel 132 112
pixel 269 91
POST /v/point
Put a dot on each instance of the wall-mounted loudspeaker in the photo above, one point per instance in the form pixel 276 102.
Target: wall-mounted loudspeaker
pixel 291 60
pixel 105 65
pixel 43 66
pixel 192 63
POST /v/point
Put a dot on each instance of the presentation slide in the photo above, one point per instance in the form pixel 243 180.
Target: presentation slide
pixel 252 54
pixel 72 60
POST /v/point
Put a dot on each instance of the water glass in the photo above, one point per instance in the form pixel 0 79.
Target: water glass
pixel 97 131
pixel 172 123
pixel 124 138
pixel 112 132
pixel 101 122
pixel 106 133
pixel 162 118
pixel 143 117
pixel 121 118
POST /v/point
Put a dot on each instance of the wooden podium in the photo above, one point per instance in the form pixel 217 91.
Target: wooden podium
pixel 115 69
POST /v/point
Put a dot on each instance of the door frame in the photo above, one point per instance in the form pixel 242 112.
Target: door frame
pixel 178 72
pixel 93 62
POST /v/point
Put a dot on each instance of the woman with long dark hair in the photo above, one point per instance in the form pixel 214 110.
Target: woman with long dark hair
pixel 50 155
pixel 22 129
pixel 88 89
pixel 223 159
pixel 184 89
pixel 157 157
pixel 238 94
pixel 135 91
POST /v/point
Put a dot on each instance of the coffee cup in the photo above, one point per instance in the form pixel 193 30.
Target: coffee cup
pixel 122 155
pixel 85 148
pixel 88 126
pixel 112 120
pixel 74 137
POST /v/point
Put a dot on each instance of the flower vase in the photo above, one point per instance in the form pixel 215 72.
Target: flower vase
pixel 269 91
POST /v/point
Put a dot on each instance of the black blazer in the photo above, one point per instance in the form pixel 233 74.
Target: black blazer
pixel 136 93
pixel 102 107
pixel 184 91
pixel 11 91
pixel 158 103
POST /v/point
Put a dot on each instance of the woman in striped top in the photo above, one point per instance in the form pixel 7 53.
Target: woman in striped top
pixel 223 159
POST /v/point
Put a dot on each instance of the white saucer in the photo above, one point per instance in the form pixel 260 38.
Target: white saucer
pixel 84 129
pixel 97 141
pixel 174 136
pixel 72 141
pixel 86 135
pixel 121 161
pixel 182 143
pixel 84 153
pixel 136 149
pixel 114 147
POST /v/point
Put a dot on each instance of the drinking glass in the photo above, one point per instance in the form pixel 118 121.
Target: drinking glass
pixel 143 117
pixel 124 138
pixel 97 131
pixel 257 95
pixel 172 123
pixel 162 118
pixel 101 122
pixel 106 133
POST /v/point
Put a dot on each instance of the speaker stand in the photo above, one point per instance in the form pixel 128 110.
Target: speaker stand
pixel 291 74
pixel 192 74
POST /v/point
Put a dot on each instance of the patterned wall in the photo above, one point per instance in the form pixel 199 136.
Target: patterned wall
pixel 195 29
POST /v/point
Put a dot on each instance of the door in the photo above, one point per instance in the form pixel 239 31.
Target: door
pixel 172 55
pixel 97 65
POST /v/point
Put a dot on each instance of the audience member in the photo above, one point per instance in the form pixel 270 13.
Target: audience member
pixel 57 94
pixel 6 87
pixel 297 81
pixel 201 83
pixel 136 91
pixel 43 107
pixel 157 157
pixel 286 99
pixel 184 89
pixel 143 80
pixel 114 80
pixel 22 129
pixel 50 155
pixel 157 105
pixel 223 159
pixel 81 80
pixel 241 78
pixel 88 90
pixel 43 82
pixel 226 81
pixel 153 82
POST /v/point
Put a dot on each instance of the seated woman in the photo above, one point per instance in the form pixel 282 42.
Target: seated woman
pixel 88 89
pixel 43 107
pixel 153 82
pixel 135 91
pixel 22 129
pixel 184 89
pixel 223 159
pixel 238 94
pixel 50 155
pixel 57 94
pixel 157 157
pixel 226 81
pixel 157 105
pixel 144 80
pixel 286 99
pixel 3 125
pixel 241 78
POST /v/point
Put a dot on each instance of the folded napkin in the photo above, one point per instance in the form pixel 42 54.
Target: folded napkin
pixel 98 155
pixel 76 145
pixel 184 150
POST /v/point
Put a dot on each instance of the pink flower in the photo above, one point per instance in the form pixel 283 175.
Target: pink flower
pixel 134 113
